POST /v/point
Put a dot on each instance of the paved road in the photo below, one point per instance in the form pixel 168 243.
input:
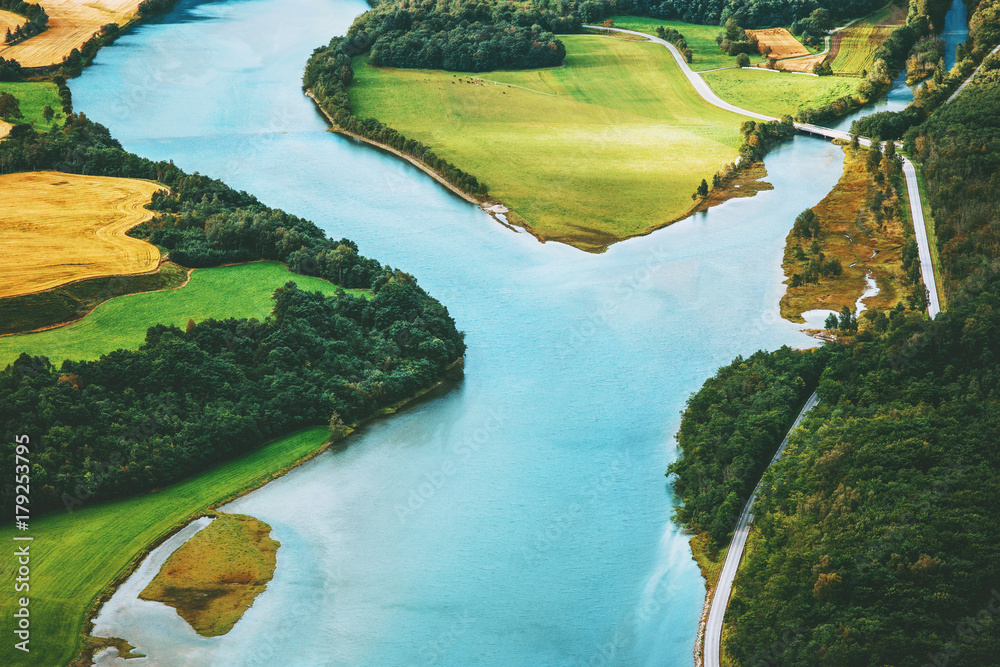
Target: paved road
pixel 966 82
pixel 723 589
pixel 717 611
pixel 916 206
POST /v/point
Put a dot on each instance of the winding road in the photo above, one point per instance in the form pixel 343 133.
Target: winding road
pixel 913 192
pixel 723 589
pixel 717 610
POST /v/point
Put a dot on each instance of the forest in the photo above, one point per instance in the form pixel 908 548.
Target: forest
pixel 729 430
pixel 876 540
pixel 984 34
pixel 748 13
pixel 462 35
pixel 190 398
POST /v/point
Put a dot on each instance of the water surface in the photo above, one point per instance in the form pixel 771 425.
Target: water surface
pixel 523 517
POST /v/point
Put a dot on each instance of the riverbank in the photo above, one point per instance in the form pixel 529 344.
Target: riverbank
pixel 171 510
pixel 826 266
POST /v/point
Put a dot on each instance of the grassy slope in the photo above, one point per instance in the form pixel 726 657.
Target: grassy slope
pixel 860 41
pixel 33 97
pixel 241 291
pixel 700 39
pixel 610 146
pixel 777 94
pixel 74 556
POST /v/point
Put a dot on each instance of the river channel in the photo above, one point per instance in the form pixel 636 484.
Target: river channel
pixel 523 517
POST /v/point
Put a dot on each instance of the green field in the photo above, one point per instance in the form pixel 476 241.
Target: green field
pixel 609 146
pixel 33 96
pixel 860 41
pixel 777 94
pixel 74 556
pixel 241 291
pixel 700 39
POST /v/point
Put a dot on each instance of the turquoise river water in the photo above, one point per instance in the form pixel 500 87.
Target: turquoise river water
pixel 522 518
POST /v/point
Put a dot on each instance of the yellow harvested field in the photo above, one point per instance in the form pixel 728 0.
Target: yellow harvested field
pixel 782 43
pixel 800 64
pixel 5 128
pixel 9 21
pixel 56 228
pixel 71 23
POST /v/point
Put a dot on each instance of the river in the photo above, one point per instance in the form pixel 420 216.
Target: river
pixel 522 518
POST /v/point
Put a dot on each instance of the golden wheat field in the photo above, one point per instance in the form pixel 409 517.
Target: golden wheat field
pixel 5 128
pixel 56 228
pixel 71 23
pixel 9 21
pixel 782 43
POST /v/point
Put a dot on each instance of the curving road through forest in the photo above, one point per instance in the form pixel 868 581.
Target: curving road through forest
pixel 723 589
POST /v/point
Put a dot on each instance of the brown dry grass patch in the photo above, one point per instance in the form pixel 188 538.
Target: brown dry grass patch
pixel 56 228
pixel 849 233
pixel 783 44
pixel 215 576
pixel 71 23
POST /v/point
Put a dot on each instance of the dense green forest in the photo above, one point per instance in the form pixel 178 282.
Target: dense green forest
pixel 462 35
pixel 729 433
pixel 984 34
pixel 959 146
pixel 748 13
pixel 876 539
pixel 134 420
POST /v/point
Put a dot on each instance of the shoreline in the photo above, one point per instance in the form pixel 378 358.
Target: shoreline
pixel 451 376
pixel 487 204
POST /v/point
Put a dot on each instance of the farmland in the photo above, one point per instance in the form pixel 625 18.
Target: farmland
pixel 75 556
pixel 854 48
pixel 71 23
pixel 777 94
pixel 612 145
pixel 241 291
pixel 780 41
pixel 62 227
pixel 9 21
pixel 700 39
pixel 33 97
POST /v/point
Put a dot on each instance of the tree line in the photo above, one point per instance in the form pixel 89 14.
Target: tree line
pixel 38 20
pixel 463 35
pixel 227 386
pixel 875 535
pixel 749 13
pixel 330 71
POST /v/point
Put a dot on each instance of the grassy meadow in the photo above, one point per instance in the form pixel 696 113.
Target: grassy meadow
pixel 777 94
pixel 75 556
pixel 240 291
pixel 33 97
pixel 612 145
pixel 700 39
